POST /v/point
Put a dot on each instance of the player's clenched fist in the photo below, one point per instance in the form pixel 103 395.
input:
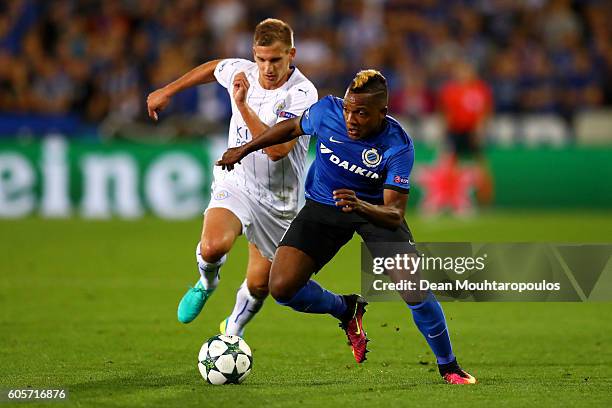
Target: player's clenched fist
pixel 240 88
pixel 156 102
pixel 347 199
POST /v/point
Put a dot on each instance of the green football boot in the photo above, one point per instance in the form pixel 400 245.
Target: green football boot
pixel 223 325
pixel 192 303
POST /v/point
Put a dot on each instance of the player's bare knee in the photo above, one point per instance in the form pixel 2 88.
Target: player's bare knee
pixel 212 250
pixel 258 290
pixel 280 289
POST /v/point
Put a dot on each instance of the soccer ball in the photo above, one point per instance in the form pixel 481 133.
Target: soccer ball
pixel 225 359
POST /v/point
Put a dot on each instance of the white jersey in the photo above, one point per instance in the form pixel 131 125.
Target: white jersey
pixel 275 185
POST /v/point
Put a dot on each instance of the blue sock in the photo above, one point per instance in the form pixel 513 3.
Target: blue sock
pixel 429 318
pixel 312 298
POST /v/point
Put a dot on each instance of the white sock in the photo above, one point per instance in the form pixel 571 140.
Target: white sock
pixel 245 308
pixel 209 272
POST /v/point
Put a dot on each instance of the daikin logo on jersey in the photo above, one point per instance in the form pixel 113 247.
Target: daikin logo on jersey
pixel 353 168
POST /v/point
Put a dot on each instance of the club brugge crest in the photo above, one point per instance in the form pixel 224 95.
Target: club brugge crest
pixel 371 157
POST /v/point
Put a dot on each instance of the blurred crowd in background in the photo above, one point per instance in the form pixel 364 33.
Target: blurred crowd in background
pixel 95 61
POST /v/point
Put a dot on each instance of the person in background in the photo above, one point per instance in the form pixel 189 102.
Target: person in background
pixel 466 103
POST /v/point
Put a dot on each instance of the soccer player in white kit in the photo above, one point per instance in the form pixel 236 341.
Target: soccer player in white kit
pixel 260 197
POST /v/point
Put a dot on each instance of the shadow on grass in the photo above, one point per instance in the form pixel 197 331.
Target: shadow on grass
pixel 123 383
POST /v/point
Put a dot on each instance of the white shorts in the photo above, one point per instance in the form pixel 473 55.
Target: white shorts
pixel 262 225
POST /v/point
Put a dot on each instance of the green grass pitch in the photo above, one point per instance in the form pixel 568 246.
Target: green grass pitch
pixel 91 307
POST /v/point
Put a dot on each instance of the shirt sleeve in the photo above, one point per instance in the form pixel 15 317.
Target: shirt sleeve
pixel 298 100
pixel 398 169
pixel 312 117
pixel 227 68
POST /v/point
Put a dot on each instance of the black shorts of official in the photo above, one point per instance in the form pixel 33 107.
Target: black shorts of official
pixel 464 144
pixel 320 231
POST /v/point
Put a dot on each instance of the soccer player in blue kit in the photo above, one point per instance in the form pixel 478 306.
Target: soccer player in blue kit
pixel 359 182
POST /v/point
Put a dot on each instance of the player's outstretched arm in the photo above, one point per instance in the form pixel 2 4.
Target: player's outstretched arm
pixel 159 99
pixel 282 132
pixel 388 215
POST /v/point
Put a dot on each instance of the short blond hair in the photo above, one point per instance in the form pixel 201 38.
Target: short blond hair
pixel 272 30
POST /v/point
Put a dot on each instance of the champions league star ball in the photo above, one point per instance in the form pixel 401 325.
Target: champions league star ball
pixel 225 360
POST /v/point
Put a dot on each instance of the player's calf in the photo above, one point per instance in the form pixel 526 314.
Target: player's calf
pixel 429 319
pixel 258 290
pixel 195 298
pixel 209 271
pixel 245 308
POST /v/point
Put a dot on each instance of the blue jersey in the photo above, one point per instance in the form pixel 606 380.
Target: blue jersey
pixel 366 166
